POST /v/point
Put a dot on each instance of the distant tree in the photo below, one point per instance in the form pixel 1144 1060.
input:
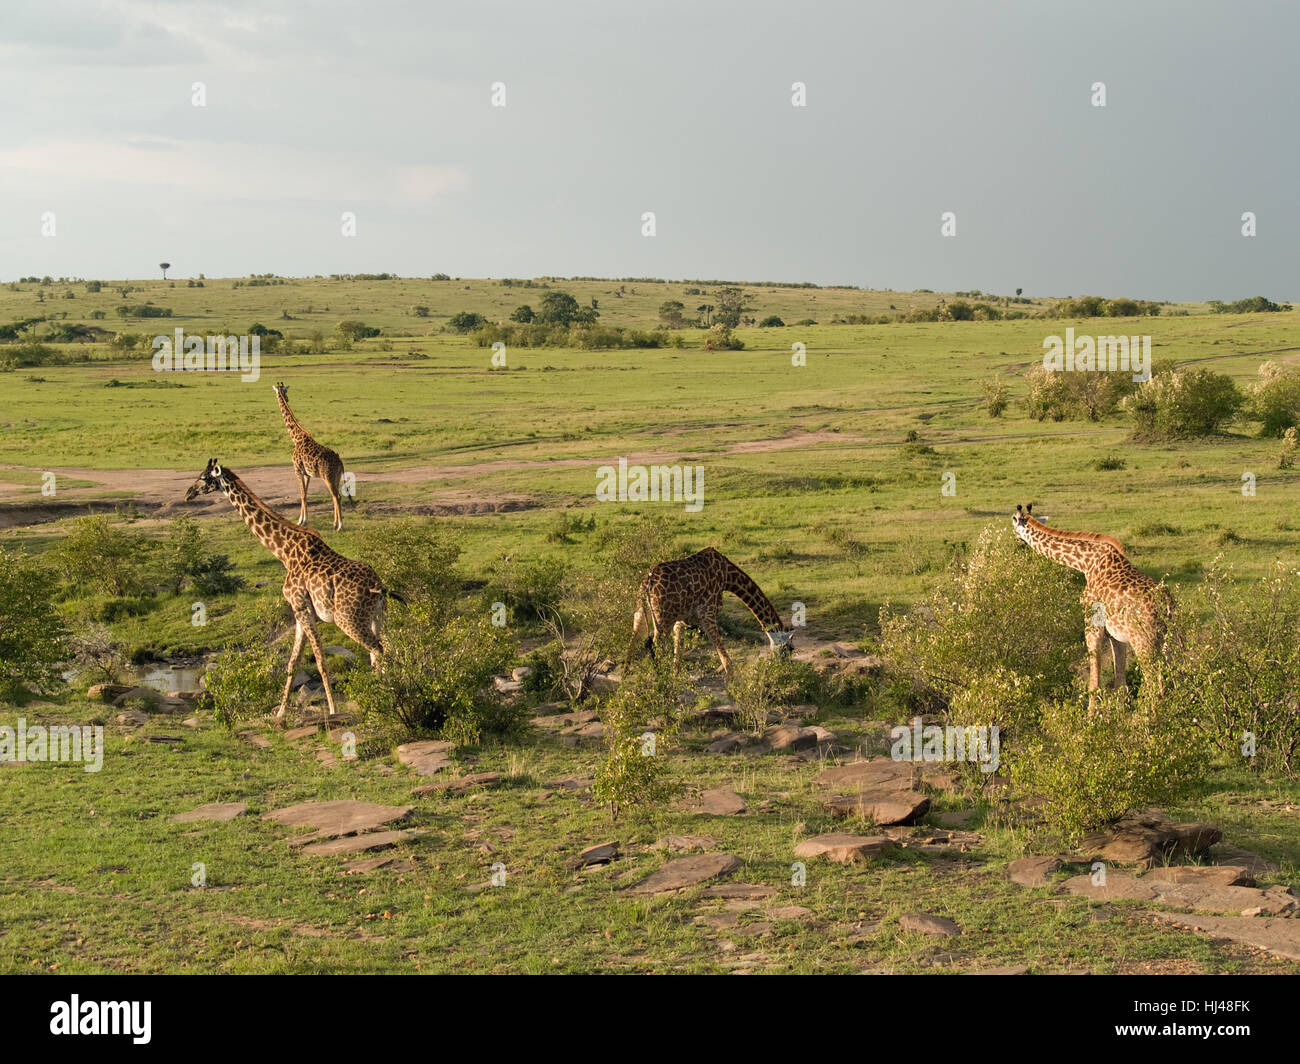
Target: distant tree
pixel 420 311
pixel 670 313
pixel 523 314
pixel 731 305
pixel 1018 291
pixel 164 266
pixel 772 321
pixel 558 308
pixel 465 321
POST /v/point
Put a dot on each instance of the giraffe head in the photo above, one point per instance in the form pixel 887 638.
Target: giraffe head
pixel 281 390
pixel 210 480
pixel 782 640
pixel 1020 521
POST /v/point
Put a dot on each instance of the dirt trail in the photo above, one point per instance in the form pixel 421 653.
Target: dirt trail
pixel 161 492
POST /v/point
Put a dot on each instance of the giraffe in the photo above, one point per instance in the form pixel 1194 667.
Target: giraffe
pixel 319 583
pixel 311 459
pixel 689 590
pixel 1135 609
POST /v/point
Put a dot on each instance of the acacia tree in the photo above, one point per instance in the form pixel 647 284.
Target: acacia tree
pixel 164 266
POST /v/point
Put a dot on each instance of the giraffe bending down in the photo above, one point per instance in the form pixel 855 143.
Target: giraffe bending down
pixel 1135 609
pixel 689 591
pixel 319 583
pixel 311 459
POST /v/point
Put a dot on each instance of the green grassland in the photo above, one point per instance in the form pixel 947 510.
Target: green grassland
pixel 811 485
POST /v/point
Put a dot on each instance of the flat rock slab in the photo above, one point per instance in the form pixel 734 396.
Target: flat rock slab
pixel 959 819
pixel 882 772
pixel 880 806
pixel 717 802
pixel 461 784
pixel 295 734
pixel 1033 871
pixel 788 912
pixel 684 872
pixel 425 758
pixel 601 853
pixel 1253 863
pixel 1206 897
pixel 790 737
pixel 929 925
pixel 257 739
pixel 1148 838
pixel 1278 936
pixel 219 811
pixel 1016 969
pixel 331 819
pixel 373 864
pixel 1210 875
pixel 569 784
pixel 844 849
pixel 728 744
pixel 686 843
pixel 375 840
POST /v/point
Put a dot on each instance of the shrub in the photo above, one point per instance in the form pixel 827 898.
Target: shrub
pixel 1237 671
pixel 466 321
pixel 98 555
pixel 995 396
pixel 1253 305
pixel 770 682
pixel 1091 765
pixel 186 564
pixel 1077 395
pixel 417 561
pixel 1002 607
pixel 245 682
pixel 419 310
pixel 1179 404
pixel 1108 463
pixel 719 338
pixel 1275 398
pixel 772 321
pixel 634 772
pixel 96 655
pixel 437 674
pixel 523 314
pixel 532 588
pixel 32 635
pixel 1290 444
pixel 351 330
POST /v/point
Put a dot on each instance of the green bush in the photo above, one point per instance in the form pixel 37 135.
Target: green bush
pixel 416 561
pixel 33 640
pixel 97 555
pixel 772 321
pixel 647 701
pixel 465 321
pixel 1078 395
pixel 1275 398
pixel 995 396
pixel 719 338
pixel 770 682
pixel 185 564
pixel 1183 403
pixel 437 672
pixel 1002 607
pixel 246 682
pixel 1090 765
pixel 96 656
pixel 531 587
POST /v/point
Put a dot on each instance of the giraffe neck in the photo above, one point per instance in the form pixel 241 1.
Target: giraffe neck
pixel 274 533
pixel 1076 550
pixel 739 583
pixel 290 422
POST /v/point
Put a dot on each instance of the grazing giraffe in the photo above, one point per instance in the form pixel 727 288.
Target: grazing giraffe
pixel 311 459
pixel 319 583
pixel 1135 609
pixel 689 590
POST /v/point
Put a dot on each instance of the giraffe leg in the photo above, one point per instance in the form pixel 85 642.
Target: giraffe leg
pixel 294 655
pixel 1096 638
pixel 318 649
pixel 1120 653
pixel 711 629
pixel 303 480
pixel 678 629
pixel 338 507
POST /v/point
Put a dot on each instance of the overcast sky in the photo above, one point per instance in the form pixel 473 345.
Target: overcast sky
pixel 680 107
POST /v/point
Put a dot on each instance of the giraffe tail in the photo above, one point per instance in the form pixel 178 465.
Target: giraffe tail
pixel 389 594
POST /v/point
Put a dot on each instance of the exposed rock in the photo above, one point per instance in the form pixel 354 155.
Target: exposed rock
pixel 1253 863
pixel 1148 838
pixel 880 806
pixel 728 744
pixel 790 737
pixel 257 739
pixel 1016 969
pixel 425 758
pixel 341 652
pixel 336 818
pixel 375 840
pixel 717 802
pixel 1278 936
pixel 294 734
pixel 522 673
pixel 569 784
pixel 878 772
pixel 461 784
pixel 106 692
pixel 1203 896
pixel 929 925
pixel 739 891
pixel 1212 875
pixel 601 853
pixel 190 722
pixel 132 716
pixel 955 819
pixel 1033 871
pixel 843 849
pixel 683 872
pixel 219 811
pixel 788 912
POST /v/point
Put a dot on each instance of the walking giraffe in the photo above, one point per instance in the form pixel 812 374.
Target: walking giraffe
pixel 319 583
pixel 1135 609
pixel 311 459
pixel 689 590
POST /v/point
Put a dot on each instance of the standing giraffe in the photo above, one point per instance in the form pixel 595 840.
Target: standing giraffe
pixel 311 459
pixel 689 590
pixel 319 583
pixel 1135 609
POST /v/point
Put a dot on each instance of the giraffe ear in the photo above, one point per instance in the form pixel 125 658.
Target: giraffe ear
pixel 1030 508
